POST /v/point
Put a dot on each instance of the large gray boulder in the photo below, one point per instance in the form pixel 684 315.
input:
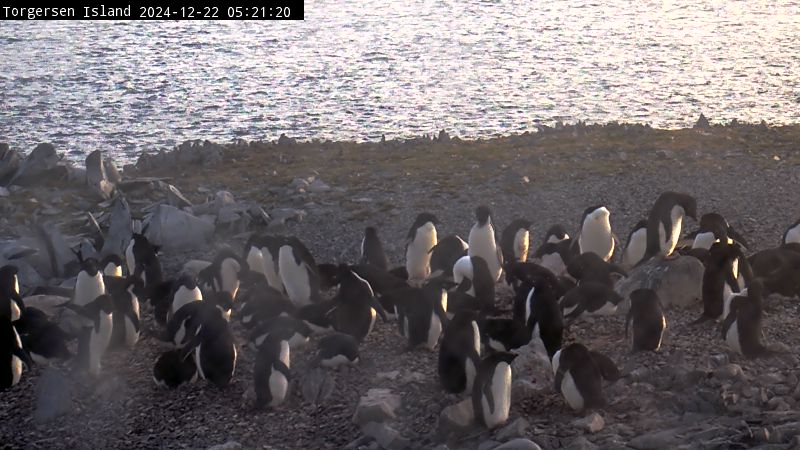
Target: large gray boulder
pixel 9 163
pixel 173 229
pixel 40 161
pixel 120 229
pixel 378 405
pixel 677 281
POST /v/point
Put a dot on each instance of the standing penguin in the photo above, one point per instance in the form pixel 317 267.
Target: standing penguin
pixel 224 273
pixel 543 318
pixel 372 250
pixel 11 303
pixel 636 245
pixel 422 316
pixel 214 349
pixel 171 371
pixel 491 392
pixel 298 272
pixel 89 285
pixel 482 242
pixel 555 256
pixel 741 328
pixel 579 373
pixel 96 333
pixel 596 235
pixel 718 273
pixel 271 374
pixel 665 221
pixel 141 257
pixel 792 234
pixel 262 255
pixel 515 240
pixel 459 354
pixel 125 332
pixel 184 290
pixel 420 240
pixel 357 307
pixel 112 265
pixel 648 320
pixel 473 276
pixel 12 355
pixel 445 254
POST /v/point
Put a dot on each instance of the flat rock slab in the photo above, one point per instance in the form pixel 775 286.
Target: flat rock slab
pixel 173 229
pixel 677 281
pixel 378 405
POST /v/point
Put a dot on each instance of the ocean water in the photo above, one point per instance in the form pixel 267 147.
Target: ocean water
pixel 358 70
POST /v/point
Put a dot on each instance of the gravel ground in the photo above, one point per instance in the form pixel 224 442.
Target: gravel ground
pixel 682 391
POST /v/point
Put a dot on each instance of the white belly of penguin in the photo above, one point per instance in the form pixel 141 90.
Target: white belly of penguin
pixel 434 331
pixel 675 233
pixel 113 270
pixel 197 361
pixel 16 369
pixel 131 334
pixel 482 243
pixel 553 262
pixel 418 257
pixel 229 271
pixel 793 235
pixel 596 238
pixel 732 337
pixel 130 261
pixel 185 296
pixel 571 393
pixel 180 335
pixel 634 252
pixel 271 271
pixel 295 279
pixel 99 342
pixel 501 393
pixel 521 243
pixel 255 259
pixel 278 386
pixel 297 341
pixel 88 288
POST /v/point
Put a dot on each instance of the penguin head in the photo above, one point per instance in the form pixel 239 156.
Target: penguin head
pixel 714 223
pixel 89 266
pixel 371 232
pixel 187 281
pixel 689 205
pixel 556 233
pixel 597 213
pixel 483 215
pixel 9 281
pixel 423 219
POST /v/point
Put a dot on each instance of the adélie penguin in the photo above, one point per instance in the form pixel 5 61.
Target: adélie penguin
pixel 555 256
pixel 213 348
pixel 665 222
pixel 482 242
pixel 294 331
pixel 43 339
pixel 779 269
pixel 356 306
pixel 515 240
pixel 590 298
pixel 224 273
pixel 420 240
pixel 298 272
pixel 11 303
pixel 596 235
pixel 95 335
pixel 647 320
pixel 112 265
pixel 89 284
pixel 262 255
pixel 741 328
pixel 543 318
pixel 182 326
pixel 172 371
pixel 636 245
pixel 423 315
pixel 473 276
pixel 372 250
pixel 337 349
pixel 262 302
pixel 126 327
pixel 579 374
pixel 717 275
pixel 491 391
pixel 183 290
pixel 271 373
pixel 445 254
pixel 588 267
pixel 12 355
pixel 459 353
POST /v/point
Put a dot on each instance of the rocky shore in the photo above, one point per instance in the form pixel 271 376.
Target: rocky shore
pixel 691 394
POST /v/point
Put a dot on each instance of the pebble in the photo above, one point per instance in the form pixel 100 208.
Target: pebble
pixel 592 423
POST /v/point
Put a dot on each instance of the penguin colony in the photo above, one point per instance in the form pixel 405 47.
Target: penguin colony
pixel 442 298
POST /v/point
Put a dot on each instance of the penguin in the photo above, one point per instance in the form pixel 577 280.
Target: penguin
pixel 590 268
pixel 337 349
pixel 792 234
pixel 140 252
pixel 95 335
pixel 543 318
pixel 372 250
pixel 741 328
pixel 713 228
pixel 473 276
pixel 596 235
pixel 213 348
pixel 224 273
pixel 318 316
pixel 555 234
pixel 636 245
pixel 555 256
pixel 296 332
pixel 590 298
pixel 329 276
pixel 648 320
pixel 171 371
pixel 184 290
pixel 445 254
pixel 491 391
pixel 515 239
pixel 459 353
pixel 183 325
pixel 665 221
pixel 126 327
pixel 263 302
pixel 43 339
pixel 11 303
pixel 718 273
pixel 262 254
pixel 422 316
pixel 298 272
pixel 579 373
pixel 271 375
pixel 420 240
pixel 779 270
pixel 482 242
pixel 89 284
pixel 380 280
pixel 112 266
pixel 503 334
pixel 12 355
pixel 356 306
pixel 523 276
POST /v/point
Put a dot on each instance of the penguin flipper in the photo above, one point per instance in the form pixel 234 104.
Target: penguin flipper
pixel 23 354
pixel 738 237
pixel 487 392
pixel 608 369
pixel 281 367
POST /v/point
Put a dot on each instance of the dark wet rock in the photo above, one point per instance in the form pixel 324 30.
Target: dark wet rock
pixel 517 428
pixel 488 445
pixel 174 229
pixel 120 229
pixel 41 161
pixel 581 443
pixel 702 122
pixel 318 186
pixel 519 444
pixel 229 445
pixel 678 281
pixel 286 141
pixel 378 405
pixel 189 153
pixel 9 163
pixel 656 440
pixel 4 192
pixel 96 177
pixel 386 436
pixel 53 396
pixel 729 372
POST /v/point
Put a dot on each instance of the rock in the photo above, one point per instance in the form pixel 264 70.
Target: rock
pixel 282 216
pixel 318 186
pixel 488 445
pixel 4 192
pixel 317 386
pixel 702 122
pixel 53 246
pixel 230 445
pixel 174 229
pixel 40 161
pixel 53 396
pixel 299 183
pixel 515 429
pixel 120 229
pixel 386 436
pixel 96 177
pixel 174 196
pixel 729 372
pixel 719 359
pixel 581 443
pixel 443 136
pixel 519 444
pixel 111 170
pixel 223 199
pixel 378 405
pixel 677 281
pixel 286 141
pixel 9 163
pixel 457 417
pixel 592 423
pixel 656 440
pixel 389 375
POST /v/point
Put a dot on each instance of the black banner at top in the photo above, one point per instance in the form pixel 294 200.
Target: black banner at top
pixel 154 10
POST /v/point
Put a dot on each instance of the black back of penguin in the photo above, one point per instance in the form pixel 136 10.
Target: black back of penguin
pixel 41 337
pixel 590 298
pixel 483 283
pixel 125 331
pixel 171 371
pixel 445 254
pixel 493 387
pixel 515 239
pixel 659 221
pixel 422 315
pixel 579 373
pixel 588 267
pixel 271 375
pixel 460 346
pixel 542 313
pixel 357 306
pixel 742 328
pixel 372 250
pixel 337 348
pixel 779 269
pixel 214 349
pixel 717 274
pixel 647 318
